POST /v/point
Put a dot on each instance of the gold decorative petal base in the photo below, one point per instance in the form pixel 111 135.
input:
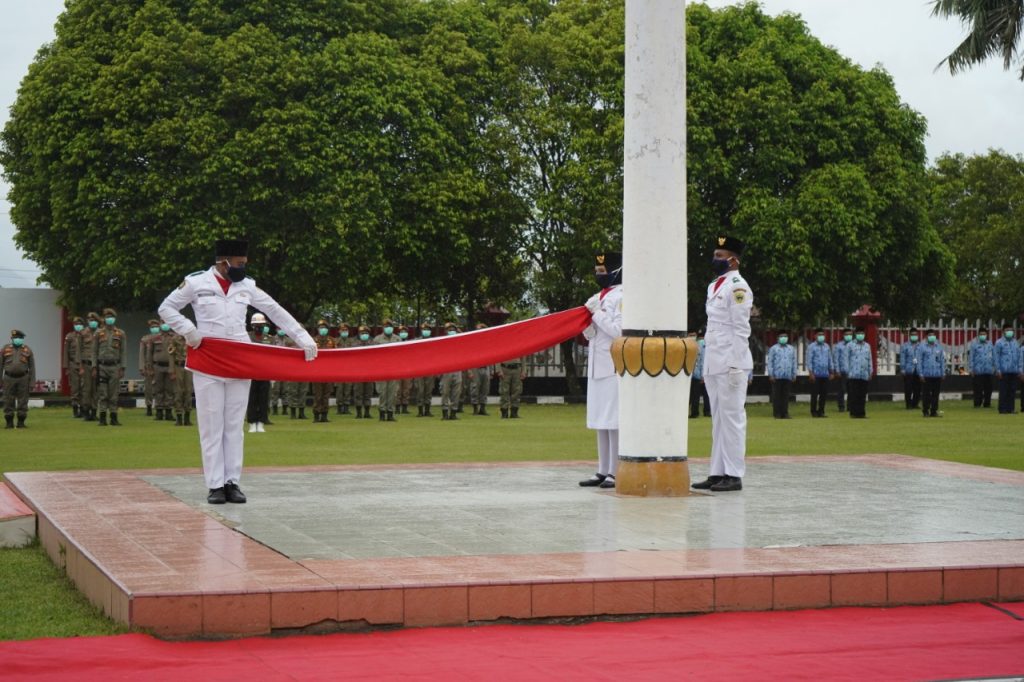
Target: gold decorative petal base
pixel 653 479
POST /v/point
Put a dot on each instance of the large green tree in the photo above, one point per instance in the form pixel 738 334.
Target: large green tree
pixel 994 29
pixel 332 134
pixel 978 206
pixel 814 162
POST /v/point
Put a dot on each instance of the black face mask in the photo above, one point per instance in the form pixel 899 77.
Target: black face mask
pixel 236 274
pixel 720 266
pixel 609 279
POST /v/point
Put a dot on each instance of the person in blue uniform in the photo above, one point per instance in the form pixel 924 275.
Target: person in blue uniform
pixel 780 365
pixel 909 369
pixel 839 356
pixel 698 391
pixel 859 371
pixel 820 368
pixel 981 363
pixel 1008 369
pixel 931 366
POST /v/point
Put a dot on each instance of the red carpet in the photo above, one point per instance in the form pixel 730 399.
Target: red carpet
pixel 958 641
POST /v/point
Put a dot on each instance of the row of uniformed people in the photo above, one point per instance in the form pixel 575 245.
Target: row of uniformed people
pixel 395 396
pixel 94 357
pixel 1002 361
pixel 923 365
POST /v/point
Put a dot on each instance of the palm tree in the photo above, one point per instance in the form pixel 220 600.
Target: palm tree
pixel 995 27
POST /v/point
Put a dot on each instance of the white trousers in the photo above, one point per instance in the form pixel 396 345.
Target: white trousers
pixel 607 451
pixel 220 410
pixel 727 394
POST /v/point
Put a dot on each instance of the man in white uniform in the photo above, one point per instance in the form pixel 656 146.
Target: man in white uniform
pixel 602 382
pixel 727 361
pixel 220 298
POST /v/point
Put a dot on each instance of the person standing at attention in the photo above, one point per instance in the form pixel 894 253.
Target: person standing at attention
pixel 727 362
pixel 781 366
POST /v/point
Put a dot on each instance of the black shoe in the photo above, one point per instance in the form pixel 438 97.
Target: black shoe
pixel 216 496
pixel 302 413
pixel 504 413
pixel 593 481
pixel 113 419
pixel 694 416
pixel 21 422
pixel 391 416
pixel 149 410
pixel 234 494
pixel 728 484
pixel 483 411
pixel 103 419
pixel 514 414
pixel 9 418
pixel 608 482
pixel 707 483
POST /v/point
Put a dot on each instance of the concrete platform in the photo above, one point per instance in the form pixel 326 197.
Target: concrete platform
pixel 448 544
pixel 17 522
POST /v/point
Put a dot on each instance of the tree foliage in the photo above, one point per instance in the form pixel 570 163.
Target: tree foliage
pixel 978 207
pixel 994 29
pixel 349 141
pixel 436 155
pixel 814 162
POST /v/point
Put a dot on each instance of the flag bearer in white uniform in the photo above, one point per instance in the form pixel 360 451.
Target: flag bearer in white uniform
pixel 602 382
pixel 727 361
pixel 220 298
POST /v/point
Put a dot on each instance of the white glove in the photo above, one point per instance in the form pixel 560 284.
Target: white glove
pixel 593 303
pixel 590 332
pixel 310 350
pixel 193 338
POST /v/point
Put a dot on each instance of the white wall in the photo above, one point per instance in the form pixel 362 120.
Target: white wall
pixel 35 312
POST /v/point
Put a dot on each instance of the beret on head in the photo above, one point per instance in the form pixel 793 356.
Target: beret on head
pixel 17 334
pixel 154 323
pixel 109 312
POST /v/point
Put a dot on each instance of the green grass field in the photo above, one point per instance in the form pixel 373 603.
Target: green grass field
pixel 30 585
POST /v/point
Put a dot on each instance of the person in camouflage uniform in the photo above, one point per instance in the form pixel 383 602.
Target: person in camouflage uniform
pixel 159 370
pixel 322 390
pixel 144 368
pixel 88 367
pixel 343 391
pixel 479 385
pixel 73 364
pixel 18 369
pixel 295 391
pixel 362 392
pixel 404 393
pixel 387 391
pixel 451 384
pixel 109 354
pixel 181 378
pixel 423 387
pixel 277 387
pixel 510 386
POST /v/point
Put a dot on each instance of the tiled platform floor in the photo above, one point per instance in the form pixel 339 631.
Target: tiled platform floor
pixel 449 544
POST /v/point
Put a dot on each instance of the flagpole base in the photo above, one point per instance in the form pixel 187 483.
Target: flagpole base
pixel 653 477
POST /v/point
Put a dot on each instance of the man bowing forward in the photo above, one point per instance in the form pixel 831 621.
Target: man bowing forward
pixel 727 361
pixel 220 298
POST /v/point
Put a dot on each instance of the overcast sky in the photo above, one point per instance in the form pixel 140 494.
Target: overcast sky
pixel 976 111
